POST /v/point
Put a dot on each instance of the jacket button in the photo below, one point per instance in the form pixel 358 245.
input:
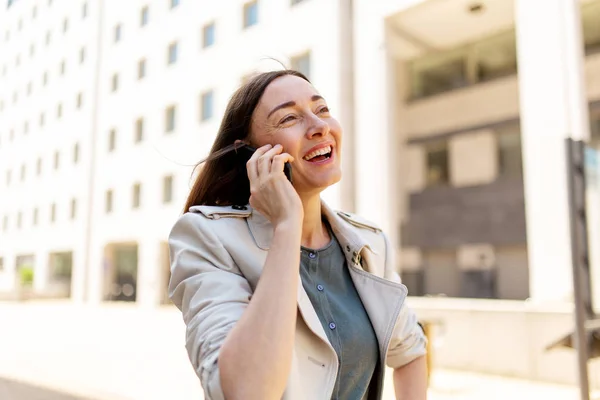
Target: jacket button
pixel 332 325
pixel 237 207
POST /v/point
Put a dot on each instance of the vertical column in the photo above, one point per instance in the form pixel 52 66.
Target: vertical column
pixel 149 267
pixel 553 106
pixel 376 144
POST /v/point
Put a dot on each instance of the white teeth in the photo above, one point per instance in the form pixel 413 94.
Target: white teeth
pixel 320 152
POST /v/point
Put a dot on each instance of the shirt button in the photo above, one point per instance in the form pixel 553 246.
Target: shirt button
pixel 332 325
pixel 312 255
pixel 320 288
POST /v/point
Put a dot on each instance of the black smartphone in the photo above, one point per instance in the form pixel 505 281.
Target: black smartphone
pixel 246 151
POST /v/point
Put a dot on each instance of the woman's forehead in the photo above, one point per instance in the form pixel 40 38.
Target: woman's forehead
pixel 288 88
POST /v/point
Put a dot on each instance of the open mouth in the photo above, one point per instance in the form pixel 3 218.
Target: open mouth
pixel 319 155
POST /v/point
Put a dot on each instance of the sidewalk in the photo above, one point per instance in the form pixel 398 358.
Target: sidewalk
pixel 118 352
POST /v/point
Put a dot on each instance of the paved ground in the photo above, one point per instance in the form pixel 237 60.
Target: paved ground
pixel 58 351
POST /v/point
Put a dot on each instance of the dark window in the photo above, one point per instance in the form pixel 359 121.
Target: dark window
pixel 76 153
pixel 437 163
pixel 174 3
pixel 42 119
pixel 73 208
pixel 56 159
pixel 59 111
pixel 137 193
pixel 82 55
pixel 79 99
pixel 510 159
pixel 172 53
pixel 206 105
pixel 48 37
pixel 84 10
pixel 115 82
pixel 301 63
pixel 38 166
pixel 167 189
pixel 65 25
pixel 108 201
pixel 112 140
pixel 117 32
pixel 63 67
pixel 250 14
pixel 139 130
pixel 141 68
pixel 144 16
pixel 53 212
pixel 170 116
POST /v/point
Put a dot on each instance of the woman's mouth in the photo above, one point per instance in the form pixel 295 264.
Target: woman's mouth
pixel 319 155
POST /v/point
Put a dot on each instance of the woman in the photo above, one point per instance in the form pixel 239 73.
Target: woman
pixel 282 297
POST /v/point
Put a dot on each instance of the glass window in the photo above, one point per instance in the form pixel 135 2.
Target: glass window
pixel 108 201
pixel 23 172
pixel 167 189
pixel 35 216
pixel 115 82
pixel 19 219
pixel 144 16
pixel 65 25
pixel 56 159
pixel 117 32
pixel 84 10
pixel 73 208
pixel 174 3
pixel 170 115
pixel 139 130
pixel 76 153
pixel 438 73
pixel 590 15
pixel 38 166
pixel 496 57
pixel 29 88
pixel 48 38
pixel 63 67
pixel 59 111
pixel 437 167
pixel 141 68
pixel 5 223
pixel 301 63
pixel 112 140
pixel 137 192
pixel 510 158
pixel 26 127
pixel 45 78
pixel 31 50
pixel 34 12
pixel 172 53
pixel 208 35
pixel 595 126
pixel 250 14
pixel 53 212
pixel 206 104
pixel 82 55
pixel 79 99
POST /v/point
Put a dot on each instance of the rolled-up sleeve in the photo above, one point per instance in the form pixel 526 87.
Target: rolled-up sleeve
pixel 408 340
pixel 210 291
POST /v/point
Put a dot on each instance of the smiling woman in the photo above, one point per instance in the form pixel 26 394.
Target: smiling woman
pixel 284 298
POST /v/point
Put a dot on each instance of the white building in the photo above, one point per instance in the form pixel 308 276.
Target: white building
pixel 105 106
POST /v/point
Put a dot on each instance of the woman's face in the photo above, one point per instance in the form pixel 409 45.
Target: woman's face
pixel 293 114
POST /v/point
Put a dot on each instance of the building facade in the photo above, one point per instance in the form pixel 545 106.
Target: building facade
pixel 454 115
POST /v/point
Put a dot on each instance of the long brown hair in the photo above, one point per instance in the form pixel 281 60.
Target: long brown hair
pixel 223 179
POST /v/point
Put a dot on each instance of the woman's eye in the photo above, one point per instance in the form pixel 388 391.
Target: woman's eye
pixel 324 110
pixel 288 119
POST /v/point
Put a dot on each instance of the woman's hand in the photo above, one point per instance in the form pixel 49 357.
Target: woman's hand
pixel 271 193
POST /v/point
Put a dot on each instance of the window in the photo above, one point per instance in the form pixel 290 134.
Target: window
pixel 76 153
pixel 8 177
pixel 19 219
pixel 45 78
pixel 53 212
pixel 172 53
pixel 59 111
pixel 73 208
pixel 63 67
pixel 18 60
pixel 112 140
pixel 42 119
pixel 141 68
pixel 38 166
pixel 496 57
pixel 29 87
pixel 79 99
pixel 65 25
pixel 15 97
pixel 208 35
pixel 137 192
pixel 510 157
pixel 250 14
pixel 170 119
pixel 5 223
pixel 35 216
pixel 590 15
pixel 81 55
pixel 437 163
pixel 167 189
pixel 174 3
pixel 20 26
pixel 117 32
pixel 115 82
pixel 595 125
pixel 144 16
pixel 438 73
pixel 139 130
pixel 31 50
pixel 12 134
pixel 34 12
pixel 48 37
pixel 108 201
pixel 206 106
pixel 84 11
pixel 25 127
pixel 56 159
pixel 301 63
pixel 23 172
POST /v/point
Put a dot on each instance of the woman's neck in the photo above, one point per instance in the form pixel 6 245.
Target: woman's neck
pixel 314 232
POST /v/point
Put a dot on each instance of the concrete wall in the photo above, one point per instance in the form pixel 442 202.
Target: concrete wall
pixel 502 337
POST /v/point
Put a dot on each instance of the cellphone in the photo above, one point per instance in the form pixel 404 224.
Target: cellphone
pixel 246 151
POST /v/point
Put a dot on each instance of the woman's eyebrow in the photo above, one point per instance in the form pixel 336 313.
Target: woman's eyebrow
pixel 292 104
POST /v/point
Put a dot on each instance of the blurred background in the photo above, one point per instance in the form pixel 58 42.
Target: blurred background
pixel 454 113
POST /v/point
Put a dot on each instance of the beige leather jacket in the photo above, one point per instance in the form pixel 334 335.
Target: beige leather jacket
pixel 217 254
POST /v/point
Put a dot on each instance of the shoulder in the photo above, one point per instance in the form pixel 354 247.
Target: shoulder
pixel 206 220
pixel 358 222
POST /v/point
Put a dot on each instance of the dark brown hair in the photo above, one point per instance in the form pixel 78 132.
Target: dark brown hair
pixel 223 179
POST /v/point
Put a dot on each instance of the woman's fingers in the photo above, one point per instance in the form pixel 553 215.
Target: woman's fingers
pixel 252 164
pixel 279 161
pixel 264 161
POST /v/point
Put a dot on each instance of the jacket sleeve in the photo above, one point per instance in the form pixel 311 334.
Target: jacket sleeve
pixel 208 288
pixel 408 340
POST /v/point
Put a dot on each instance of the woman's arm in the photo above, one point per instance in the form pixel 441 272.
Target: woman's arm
pixel 255 358
pixel 410 380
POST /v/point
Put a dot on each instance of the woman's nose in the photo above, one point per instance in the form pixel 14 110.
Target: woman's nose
pixel 317 127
